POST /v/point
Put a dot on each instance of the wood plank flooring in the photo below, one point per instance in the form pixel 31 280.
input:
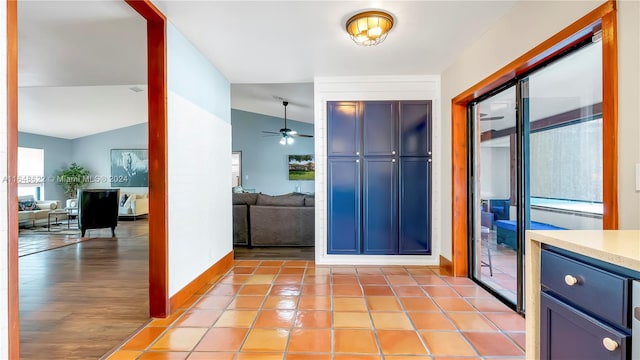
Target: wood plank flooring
pixel 81 300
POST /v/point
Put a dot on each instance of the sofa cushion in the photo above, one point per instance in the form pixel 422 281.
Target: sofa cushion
pixel 280 200
pixel 245 198
pixel 309 201
pixel 26 205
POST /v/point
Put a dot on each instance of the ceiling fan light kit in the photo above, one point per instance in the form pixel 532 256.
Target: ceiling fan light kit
pixel 286 133
pixel 369 28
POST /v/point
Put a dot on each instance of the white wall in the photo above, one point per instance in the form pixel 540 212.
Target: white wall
pixel 199 148
pixel 373 88
pixel 526 25
pixel 4 314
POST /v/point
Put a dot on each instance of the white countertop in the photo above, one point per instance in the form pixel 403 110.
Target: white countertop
pixel 620 247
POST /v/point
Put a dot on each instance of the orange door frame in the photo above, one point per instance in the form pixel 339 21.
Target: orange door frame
pixel 158 219
pixel 157 109
pixel 604 18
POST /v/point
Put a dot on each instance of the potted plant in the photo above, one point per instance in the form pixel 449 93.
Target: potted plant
pixel 72 178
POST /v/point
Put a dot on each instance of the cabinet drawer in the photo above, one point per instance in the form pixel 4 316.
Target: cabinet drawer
pixel 570 334
pixel 595 290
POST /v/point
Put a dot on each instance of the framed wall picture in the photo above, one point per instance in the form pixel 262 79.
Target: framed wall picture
pixel 301 167
pixel 129 167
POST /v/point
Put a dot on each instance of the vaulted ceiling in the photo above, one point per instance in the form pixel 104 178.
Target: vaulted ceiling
pixel 267 49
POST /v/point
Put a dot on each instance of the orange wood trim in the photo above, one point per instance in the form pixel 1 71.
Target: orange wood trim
pixel 220 267
pixel 603 16
pixel 446 266
pixel 539 54
pixel 459 194
pixel 12 186
pixel 147 10
pixel 159 305
pixel 610 121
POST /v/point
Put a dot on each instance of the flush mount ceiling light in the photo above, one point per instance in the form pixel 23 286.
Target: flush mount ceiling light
pixel 369 27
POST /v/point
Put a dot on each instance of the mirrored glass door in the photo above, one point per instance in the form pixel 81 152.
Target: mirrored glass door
pixel 494 245
pixel 535 164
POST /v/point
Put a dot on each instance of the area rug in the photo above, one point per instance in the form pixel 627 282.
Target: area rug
pixel 36 239
pixel 55 229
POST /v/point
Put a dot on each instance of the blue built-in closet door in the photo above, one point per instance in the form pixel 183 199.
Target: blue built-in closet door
pixel 415 128
pixel 343 197
pixel 343 128
pixel 380 205
pixel 380 127
pixel 415 206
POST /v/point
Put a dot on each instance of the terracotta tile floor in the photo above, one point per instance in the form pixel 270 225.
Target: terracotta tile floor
pixel 294 310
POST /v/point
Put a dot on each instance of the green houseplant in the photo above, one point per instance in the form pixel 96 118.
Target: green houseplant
pixel 72 178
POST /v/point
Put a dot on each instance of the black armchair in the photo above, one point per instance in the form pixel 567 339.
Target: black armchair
pixel 98 208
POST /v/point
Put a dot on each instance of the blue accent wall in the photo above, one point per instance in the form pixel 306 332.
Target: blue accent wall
pixel 264 160
pixel 187 70
pixel 57 154
pixel 94 151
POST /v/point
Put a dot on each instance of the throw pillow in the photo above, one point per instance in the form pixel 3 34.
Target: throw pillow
pixel 26 205
pixel 123 199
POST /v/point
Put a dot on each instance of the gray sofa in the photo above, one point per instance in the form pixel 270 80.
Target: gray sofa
pixel 264 220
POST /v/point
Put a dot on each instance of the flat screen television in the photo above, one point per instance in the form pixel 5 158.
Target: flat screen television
pixel 97 209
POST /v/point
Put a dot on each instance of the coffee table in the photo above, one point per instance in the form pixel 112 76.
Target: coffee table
pixel 55 214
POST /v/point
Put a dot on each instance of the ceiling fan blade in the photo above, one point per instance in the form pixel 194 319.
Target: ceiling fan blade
pixel 271 132
pixel 491 118
pixel 302 135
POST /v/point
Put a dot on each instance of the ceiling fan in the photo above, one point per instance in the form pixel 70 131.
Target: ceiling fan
pixel 286 134
pixel 484 117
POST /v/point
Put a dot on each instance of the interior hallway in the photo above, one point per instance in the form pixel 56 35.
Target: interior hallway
pixel 295 310
pixel 81 300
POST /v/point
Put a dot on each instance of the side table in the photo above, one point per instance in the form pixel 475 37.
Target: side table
pixel 55 214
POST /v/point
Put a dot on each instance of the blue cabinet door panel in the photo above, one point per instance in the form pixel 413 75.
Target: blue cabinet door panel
pixel 343 197
pixel 567 333
pixel 415 128
pixel 343 129
pixel 380 206
pixel 415 206
pixel 380 128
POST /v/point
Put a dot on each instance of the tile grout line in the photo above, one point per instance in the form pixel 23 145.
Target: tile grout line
pixel 406 312
pixel 296 309
pixel 259 310
pixel 295 313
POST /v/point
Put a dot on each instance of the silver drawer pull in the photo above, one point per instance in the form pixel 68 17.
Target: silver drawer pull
pixel 570 280
pixel 393 153
pixel 609 344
